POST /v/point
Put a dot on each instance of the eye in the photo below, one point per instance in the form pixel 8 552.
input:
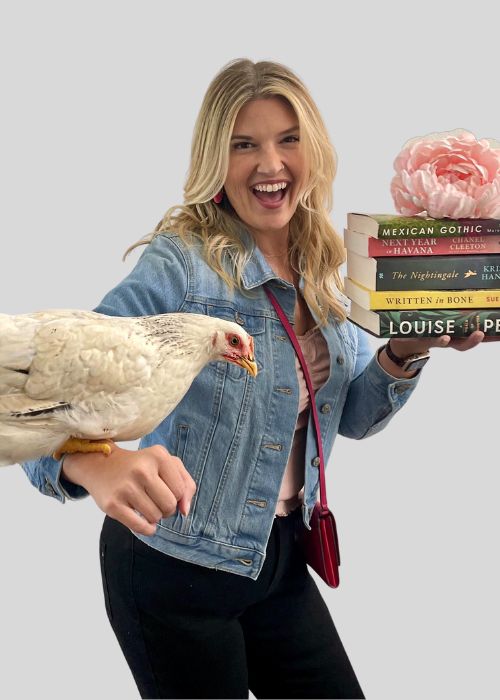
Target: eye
pixel 234 341
pixel 246 145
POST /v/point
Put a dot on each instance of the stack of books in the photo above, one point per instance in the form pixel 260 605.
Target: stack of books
pixel 413 277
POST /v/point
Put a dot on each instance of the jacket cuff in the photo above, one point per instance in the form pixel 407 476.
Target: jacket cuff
pixel 398 389
pixel 55 485
pixel 395 390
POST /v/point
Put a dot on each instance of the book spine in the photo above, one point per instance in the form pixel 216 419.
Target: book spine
pixel 440 272
pixel 447 299
pixel 429 228
pixel 401 247
pixel 458 323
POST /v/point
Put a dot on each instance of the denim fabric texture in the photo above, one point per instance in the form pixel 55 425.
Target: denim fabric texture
pixel 234 432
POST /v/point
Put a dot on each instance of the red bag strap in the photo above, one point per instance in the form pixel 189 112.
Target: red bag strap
pixel 288 327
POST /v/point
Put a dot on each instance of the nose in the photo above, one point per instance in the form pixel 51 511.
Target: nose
pixel 270 162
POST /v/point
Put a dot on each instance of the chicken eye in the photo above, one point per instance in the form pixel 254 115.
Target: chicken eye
pixel 235 341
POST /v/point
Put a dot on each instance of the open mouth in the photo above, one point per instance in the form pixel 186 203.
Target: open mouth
pixel 272 198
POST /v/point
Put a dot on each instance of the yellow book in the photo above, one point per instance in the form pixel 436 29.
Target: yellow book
pixel 419 299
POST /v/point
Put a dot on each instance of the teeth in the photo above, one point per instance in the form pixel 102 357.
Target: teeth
pixel 271 188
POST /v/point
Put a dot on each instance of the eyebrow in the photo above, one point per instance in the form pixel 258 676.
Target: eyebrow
pixel 250 138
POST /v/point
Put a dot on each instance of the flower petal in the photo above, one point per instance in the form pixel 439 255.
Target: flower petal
pixel 448 174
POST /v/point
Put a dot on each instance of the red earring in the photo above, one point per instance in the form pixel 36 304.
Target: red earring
pixel 218 197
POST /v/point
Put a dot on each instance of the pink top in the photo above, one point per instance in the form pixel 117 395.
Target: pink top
pixel 315 351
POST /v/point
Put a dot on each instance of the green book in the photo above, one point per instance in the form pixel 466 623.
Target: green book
pixel 426 323
pixel 394 226
pixel 415 272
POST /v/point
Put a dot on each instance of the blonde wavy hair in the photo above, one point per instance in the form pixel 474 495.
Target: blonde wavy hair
pixel 315 249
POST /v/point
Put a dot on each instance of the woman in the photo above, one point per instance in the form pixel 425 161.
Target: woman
pixel 204 584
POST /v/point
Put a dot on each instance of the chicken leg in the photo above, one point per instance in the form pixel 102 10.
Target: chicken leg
pixel 81 445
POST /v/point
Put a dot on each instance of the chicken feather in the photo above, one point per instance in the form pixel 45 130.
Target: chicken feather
pixel 67 372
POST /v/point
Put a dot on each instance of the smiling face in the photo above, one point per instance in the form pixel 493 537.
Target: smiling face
pixel 266 154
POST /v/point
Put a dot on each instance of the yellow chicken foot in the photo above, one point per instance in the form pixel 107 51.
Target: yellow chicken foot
pixel 81 445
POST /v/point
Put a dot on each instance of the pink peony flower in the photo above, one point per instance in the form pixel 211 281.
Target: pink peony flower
pixel 448 175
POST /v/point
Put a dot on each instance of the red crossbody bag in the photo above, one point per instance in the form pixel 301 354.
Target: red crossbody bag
pixel 320 544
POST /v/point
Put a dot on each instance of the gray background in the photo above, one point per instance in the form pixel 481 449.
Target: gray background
pixel 99 103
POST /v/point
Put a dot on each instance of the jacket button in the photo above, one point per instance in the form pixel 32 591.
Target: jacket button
pixel 401 388
pixel 325 408
pixel 340 359
pixel 239 319
pixel 49 488
pixel 315 462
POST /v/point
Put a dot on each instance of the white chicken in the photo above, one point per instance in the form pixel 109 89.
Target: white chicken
pixel 69 374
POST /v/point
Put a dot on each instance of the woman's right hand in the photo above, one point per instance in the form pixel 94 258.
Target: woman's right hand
pixel 150 481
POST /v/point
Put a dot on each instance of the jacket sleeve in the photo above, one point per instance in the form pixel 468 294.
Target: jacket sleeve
pixel 374 396
pixel 157 284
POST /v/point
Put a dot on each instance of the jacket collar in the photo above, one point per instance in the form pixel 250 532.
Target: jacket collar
pixel 257 270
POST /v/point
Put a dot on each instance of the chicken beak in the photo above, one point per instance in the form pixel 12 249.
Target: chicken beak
pixel 249 364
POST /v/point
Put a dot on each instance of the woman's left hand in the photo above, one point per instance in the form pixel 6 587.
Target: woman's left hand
pixel 403 347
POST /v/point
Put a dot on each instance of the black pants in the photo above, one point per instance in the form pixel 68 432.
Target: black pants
pixel 188 631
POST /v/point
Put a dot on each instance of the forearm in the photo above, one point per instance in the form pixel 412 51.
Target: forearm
pixel 77 468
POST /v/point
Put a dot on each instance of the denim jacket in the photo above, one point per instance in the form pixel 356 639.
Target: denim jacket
pixel 234 432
